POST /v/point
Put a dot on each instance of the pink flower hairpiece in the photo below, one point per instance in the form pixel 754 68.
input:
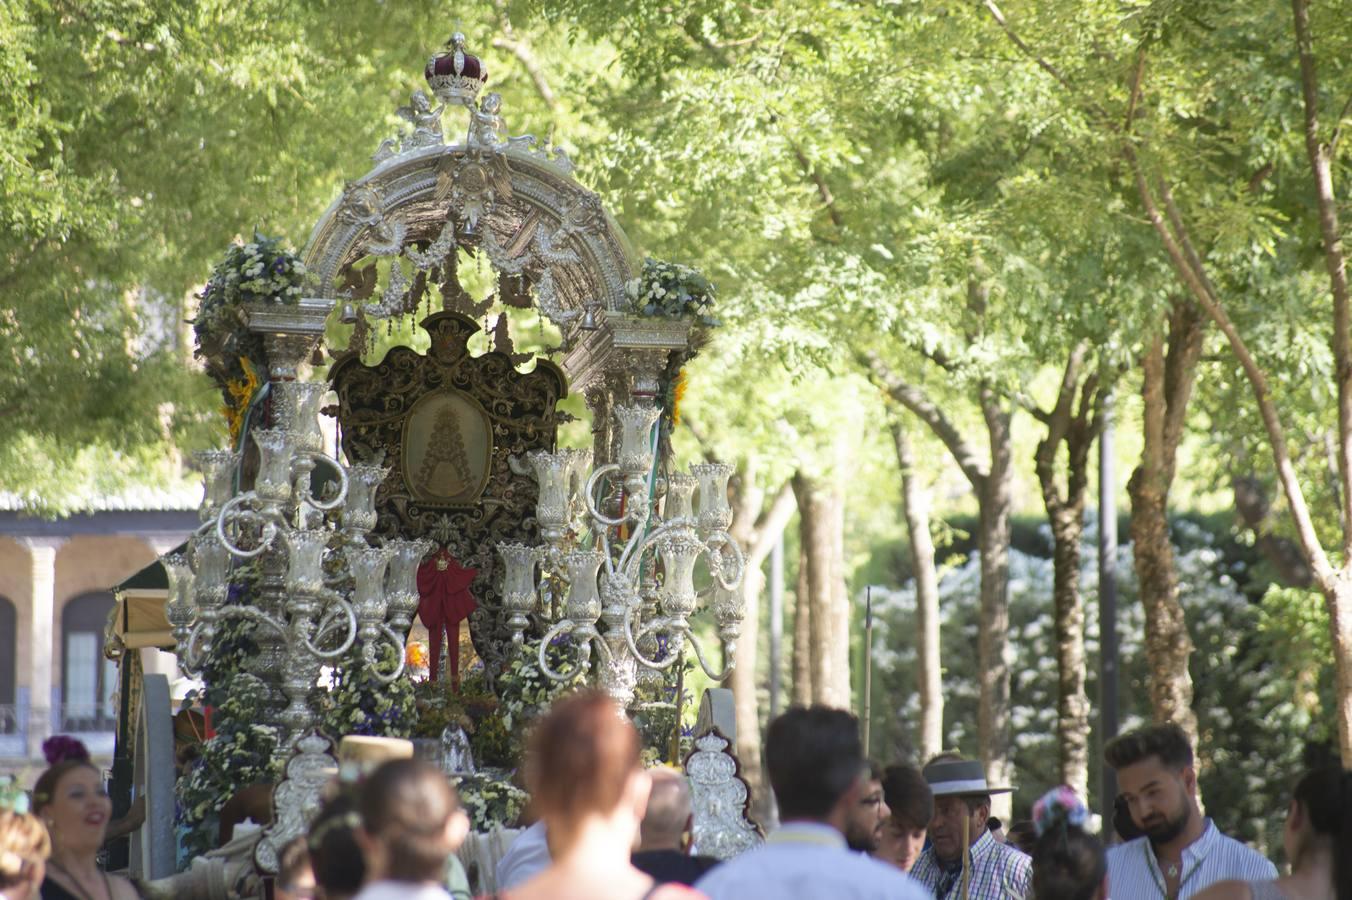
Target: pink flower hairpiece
pixel 1060 805
pixel 62 747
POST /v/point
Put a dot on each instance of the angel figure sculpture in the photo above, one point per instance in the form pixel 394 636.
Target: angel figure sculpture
pixel 425 120
pixel 484 122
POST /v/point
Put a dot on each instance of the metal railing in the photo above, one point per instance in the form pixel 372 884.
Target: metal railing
pixel 86 717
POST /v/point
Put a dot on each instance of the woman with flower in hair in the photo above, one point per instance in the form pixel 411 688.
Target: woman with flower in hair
pixel 1068 863
pixel 24 846
pixel 72 802
pixel 1318 843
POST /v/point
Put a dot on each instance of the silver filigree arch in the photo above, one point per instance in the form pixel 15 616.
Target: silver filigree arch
pixel 517 203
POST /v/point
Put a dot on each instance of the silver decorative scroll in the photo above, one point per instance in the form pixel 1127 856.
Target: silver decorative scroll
pixel 297 797
pixel 719 798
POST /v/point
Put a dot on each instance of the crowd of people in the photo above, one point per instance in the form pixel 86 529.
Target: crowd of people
pixel 610 829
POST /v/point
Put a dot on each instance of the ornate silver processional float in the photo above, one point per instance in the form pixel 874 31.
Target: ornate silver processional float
pixel 450 458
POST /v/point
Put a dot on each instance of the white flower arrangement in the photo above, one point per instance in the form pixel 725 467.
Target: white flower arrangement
pixel 262 270
pixel 491 800
pixel 672 291
pixel 525 691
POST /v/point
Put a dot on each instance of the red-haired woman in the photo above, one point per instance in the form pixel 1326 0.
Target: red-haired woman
pixel 588 784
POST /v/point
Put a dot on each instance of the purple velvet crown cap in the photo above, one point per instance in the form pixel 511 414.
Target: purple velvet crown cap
pixel 455 62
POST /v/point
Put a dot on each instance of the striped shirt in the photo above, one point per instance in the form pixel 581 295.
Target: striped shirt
pixel 999 872
pixel 1133 871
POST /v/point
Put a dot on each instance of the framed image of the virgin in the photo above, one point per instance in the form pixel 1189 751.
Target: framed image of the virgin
pixel 447 448
pixel 446 424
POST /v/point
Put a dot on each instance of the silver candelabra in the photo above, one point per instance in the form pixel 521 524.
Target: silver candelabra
pixel 321 585
pixel 627 544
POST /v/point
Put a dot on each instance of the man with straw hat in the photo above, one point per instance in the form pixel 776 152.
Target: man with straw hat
pixel 963 861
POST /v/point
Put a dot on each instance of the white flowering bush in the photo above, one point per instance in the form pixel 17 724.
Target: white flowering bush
pixel 672 291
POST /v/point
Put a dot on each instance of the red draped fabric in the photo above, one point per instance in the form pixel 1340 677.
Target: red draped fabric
pixel 444 602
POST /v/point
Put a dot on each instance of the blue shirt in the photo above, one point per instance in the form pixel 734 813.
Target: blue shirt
pixel 1133 871
pixel 807 861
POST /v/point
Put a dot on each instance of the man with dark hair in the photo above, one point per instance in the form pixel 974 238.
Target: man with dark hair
pixel 864 828
pixel 909 798
pixel 964 861
pixel 1180 852
pixel 816 767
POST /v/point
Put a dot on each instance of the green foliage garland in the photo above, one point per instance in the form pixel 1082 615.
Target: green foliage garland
pixel 241 752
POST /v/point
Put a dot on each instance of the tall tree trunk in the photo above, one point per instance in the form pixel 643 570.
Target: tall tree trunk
pixel 841 668
pixel 1338 599
pixel 1335 585
pixel 1166 388
pixel 1076 429
pixel 1072 702
pixel 803 691
pixel 993 728
pixel 815 518
pixel 915 504
pixel 755 528
pixel 992 483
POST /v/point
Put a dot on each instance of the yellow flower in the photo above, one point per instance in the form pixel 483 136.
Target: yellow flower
pixel 416 655
pixel 241 392
pixel 677 395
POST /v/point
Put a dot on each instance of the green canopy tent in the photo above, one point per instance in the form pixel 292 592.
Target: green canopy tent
pixel 139 622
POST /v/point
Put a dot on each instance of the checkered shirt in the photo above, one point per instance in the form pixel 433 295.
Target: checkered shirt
pixel 999 872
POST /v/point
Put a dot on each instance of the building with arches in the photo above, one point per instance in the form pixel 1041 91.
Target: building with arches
pixel 56 580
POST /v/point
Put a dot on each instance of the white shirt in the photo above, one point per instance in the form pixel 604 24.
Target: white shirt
pixel 1134 873
pixel 402 890
pixel 527 857
pixel 807 861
